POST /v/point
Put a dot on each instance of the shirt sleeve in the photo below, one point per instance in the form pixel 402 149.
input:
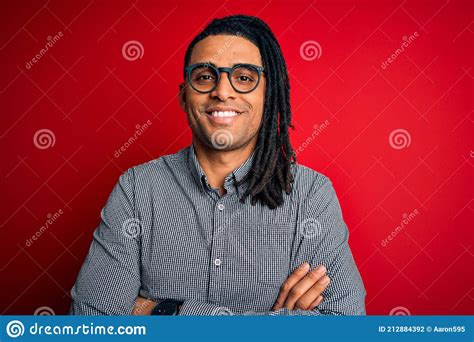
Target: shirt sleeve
pixel 109 280
pixel 323 240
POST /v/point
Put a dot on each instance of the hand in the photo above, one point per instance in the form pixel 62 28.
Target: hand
pixel 302 289
pixel 143 306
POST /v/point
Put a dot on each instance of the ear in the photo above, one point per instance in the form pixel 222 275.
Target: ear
pixel 182 96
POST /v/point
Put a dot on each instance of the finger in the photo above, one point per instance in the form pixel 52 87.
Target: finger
pixel 303 286
pixel 314 304
pixel 288 284
pixel 313 293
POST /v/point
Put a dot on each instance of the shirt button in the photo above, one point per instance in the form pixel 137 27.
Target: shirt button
pixel 217 262
pixel 220 206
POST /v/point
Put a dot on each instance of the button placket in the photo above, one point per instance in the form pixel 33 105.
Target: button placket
pixel 217 256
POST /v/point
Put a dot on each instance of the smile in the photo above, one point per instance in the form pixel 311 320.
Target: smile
pixel 223 114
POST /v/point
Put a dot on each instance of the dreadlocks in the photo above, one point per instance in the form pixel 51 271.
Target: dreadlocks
pixel 273 154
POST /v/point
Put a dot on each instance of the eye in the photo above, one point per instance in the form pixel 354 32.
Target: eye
pixel 204 77
pixel 244 78
pixel 245 75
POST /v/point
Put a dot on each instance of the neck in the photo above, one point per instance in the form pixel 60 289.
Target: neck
pixel 218 164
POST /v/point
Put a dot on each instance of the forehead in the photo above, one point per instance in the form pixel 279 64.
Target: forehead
pixel 225 50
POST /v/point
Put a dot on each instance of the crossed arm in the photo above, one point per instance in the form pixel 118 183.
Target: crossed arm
pixel 302 291
pixel 109 280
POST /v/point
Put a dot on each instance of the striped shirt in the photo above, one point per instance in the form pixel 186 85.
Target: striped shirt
pixel 166 233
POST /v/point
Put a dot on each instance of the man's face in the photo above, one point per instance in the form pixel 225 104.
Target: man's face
pixel 229 132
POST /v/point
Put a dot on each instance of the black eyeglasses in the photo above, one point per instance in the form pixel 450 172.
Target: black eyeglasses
pixel 204 77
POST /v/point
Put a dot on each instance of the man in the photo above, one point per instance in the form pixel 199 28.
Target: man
pixel 230 224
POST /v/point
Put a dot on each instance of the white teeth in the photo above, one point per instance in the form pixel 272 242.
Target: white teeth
pixel 219 114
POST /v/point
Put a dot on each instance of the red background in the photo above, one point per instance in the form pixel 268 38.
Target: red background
pixel 92 98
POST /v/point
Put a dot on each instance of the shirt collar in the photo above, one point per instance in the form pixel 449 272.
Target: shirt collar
pixel 229 184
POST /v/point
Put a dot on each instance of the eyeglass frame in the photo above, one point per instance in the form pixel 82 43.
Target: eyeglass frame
pixel 229 71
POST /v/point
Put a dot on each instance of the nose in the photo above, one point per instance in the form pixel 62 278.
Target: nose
pixel 223 90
